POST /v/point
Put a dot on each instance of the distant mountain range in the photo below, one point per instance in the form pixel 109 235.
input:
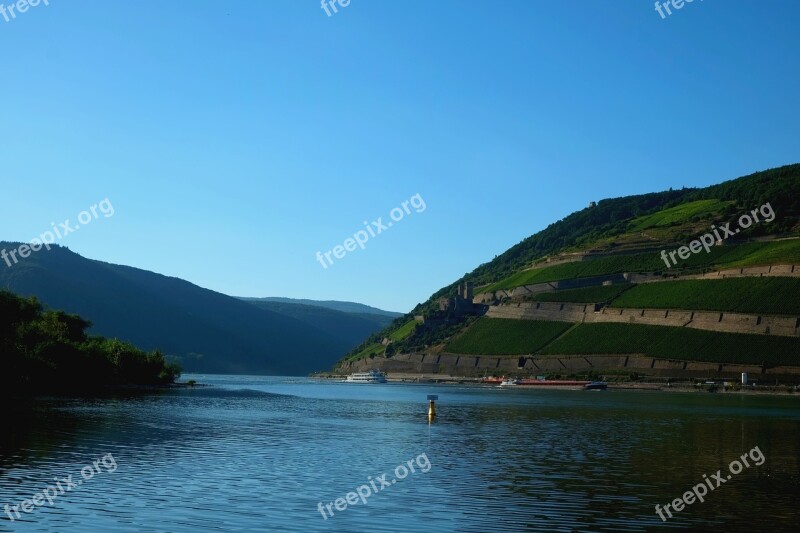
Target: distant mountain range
pixel 205 330
pixel 345 307
pixel 349 327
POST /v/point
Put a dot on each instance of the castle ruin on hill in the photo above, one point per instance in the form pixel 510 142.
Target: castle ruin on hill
pixel 461 304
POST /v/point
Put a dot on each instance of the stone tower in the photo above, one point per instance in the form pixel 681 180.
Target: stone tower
pixel 467 293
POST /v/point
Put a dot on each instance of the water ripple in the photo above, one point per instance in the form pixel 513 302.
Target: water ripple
pixel 260 454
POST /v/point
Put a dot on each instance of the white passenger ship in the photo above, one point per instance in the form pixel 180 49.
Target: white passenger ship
pixel 374 376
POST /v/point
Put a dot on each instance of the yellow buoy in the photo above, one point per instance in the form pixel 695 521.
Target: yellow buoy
pixel 432 406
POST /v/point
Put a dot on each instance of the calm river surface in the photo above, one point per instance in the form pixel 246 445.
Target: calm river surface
pixel 260 454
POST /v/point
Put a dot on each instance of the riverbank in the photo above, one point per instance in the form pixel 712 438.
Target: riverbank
pixel 620 367
pixel 99 391
pixel 682 386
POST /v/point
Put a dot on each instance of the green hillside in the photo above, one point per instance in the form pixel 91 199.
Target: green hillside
pixel 626 235
pixel 611 219
pixel 680 214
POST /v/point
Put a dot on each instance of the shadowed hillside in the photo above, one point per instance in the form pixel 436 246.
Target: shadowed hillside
pixel 207 331
pixel 344 307
pixel 348 327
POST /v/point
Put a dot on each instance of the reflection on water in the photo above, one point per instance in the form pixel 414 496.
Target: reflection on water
pixel 260 454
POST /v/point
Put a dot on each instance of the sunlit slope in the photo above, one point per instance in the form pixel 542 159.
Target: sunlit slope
pixel 492 336
pixel 720 257
pixel 617 237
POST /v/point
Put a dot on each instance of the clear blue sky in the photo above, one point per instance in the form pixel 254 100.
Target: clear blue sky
pixel 237 139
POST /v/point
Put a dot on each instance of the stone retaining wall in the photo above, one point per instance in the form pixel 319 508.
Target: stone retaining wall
pixel 477 366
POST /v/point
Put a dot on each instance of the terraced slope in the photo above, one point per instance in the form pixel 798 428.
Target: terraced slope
pixel 493 336
pixel 619 241
pixel 720 257
pixel 741 295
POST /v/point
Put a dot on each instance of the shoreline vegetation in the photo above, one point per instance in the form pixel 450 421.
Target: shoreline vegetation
pixel 49 352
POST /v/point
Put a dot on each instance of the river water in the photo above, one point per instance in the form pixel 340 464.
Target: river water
pixel 281 454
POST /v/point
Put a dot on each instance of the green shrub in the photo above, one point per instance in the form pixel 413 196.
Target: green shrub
pixel 50 351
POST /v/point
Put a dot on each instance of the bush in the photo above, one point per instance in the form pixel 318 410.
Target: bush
pixel 50 351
